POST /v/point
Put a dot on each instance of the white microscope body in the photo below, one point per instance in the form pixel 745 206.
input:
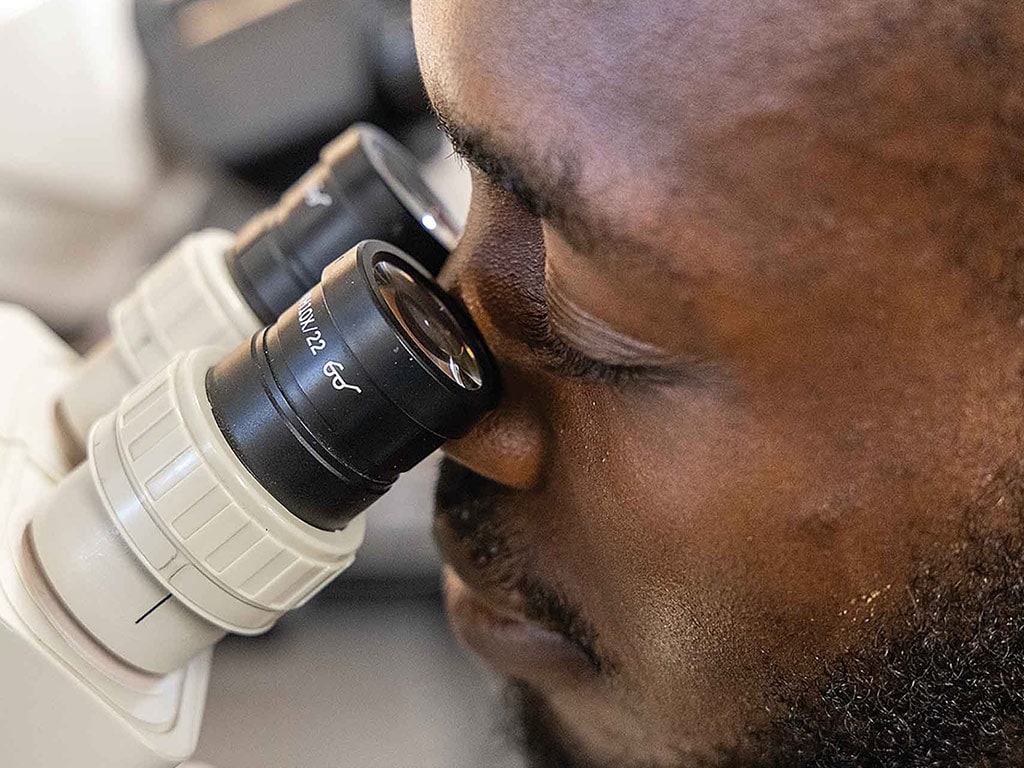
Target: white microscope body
pixel 67 700
pixel 117 577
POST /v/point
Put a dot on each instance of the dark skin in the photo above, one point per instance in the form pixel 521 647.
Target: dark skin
pixel 752 273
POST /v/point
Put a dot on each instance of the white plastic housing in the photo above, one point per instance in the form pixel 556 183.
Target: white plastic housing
pixel 66 700
pixel 187 300
pixel 166 541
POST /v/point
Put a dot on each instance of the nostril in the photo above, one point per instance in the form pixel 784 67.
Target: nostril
pixel 465 499
pixel 470 517
pixel 459 487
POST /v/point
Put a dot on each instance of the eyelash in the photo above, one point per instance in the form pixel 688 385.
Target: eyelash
pixel 558 356
pixel 570 362
pixel 562 359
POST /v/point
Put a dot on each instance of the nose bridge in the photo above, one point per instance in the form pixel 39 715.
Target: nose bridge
pixel 508 446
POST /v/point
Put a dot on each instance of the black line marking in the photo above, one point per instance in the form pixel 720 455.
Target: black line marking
pixel 152 609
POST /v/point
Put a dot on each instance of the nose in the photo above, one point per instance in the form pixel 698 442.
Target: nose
pixel 508 445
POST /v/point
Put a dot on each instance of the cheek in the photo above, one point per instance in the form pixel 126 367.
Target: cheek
pixel 709 550
pixel 653 523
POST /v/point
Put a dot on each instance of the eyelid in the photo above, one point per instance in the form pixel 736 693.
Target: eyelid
pixel 597 338
pixel 569 360
pixel 562 358
pixel 630 362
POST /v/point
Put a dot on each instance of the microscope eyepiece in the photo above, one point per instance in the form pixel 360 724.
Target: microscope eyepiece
pixel 404 176
pixel 366 186
pixel 216 289
pixel 365 376
pixel 428 324
pixel 224 492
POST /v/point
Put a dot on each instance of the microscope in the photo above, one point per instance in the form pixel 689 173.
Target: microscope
pixel 206 468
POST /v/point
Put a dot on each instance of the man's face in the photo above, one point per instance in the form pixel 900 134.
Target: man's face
pixel 736 261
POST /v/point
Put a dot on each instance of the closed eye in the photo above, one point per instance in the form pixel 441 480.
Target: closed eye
pixel 552 350
pixel 562 358
pixel 565 360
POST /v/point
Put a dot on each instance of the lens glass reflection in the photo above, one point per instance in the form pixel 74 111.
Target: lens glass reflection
pixel 406 181
pixel 429 324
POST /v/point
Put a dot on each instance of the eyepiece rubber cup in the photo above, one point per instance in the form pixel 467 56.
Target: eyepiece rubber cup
pixel 350 388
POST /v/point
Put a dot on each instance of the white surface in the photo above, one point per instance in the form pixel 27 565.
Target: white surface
pixel 72 82
pixel 84 201
pixel 354 684
pixel 68 261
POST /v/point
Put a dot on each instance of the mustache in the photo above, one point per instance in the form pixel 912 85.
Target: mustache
pixel 476 510
pixel 465 499
pixel 472 508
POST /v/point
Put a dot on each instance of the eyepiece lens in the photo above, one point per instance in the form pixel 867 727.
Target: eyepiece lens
pixel 406 181
pixel 428 323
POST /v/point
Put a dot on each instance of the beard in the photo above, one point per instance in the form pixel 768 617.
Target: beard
pixel 940 683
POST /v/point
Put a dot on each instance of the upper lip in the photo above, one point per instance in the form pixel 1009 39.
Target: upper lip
pixel 516 643
pixel 504 599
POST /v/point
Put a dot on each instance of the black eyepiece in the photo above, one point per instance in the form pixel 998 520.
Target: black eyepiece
pixel 366 186
pixel 428 323
pixel 365 376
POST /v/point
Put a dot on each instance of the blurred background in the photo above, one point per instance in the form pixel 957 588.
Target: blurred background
pixel 130 123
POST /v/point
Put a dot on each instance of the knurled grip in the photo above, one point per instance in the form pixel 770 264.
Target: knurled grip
pixel 199 521
pixel 187 300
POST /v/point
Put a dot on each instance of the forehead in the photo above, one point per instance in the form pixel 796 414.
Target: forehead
pixel 625 88
pixel 650 63
pixel 729 117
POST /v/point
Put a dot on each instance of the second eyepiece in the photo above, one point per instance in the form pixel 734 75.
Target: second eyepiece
pixel 216 289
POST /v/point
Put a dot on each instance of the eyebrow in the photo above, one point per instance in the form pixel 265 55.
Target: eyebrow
pixel 548 186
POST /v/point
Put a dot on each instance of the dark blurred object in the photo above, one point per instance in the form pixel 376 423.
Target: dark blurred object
pixel 259 86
